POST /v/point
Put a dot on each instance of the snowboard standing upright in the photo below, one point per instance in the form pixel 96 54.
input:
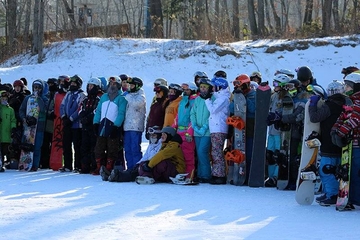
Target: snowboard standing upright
pixel 344 183
pixel 236 158
pixel 283 157
pixel 305 185
pixel 56 156
pixel 28 140
pixel 257 167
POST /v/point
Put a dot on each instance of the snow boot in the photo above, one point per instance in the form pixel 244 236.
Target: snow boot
pixel 104 173
pixel 98 166
pixel 144 180
pixel 109 164
pixel 114 175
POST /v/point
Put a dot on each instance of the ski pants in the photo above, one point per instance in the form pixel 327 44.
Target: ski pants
pixel 132 147
pixel 188 149
pixel 354 192
pixel 203 151
pixel 217 153
pixel 161 171
pixel 329 183
pixel 39 137
pixel 88 143
pixel 72 136
pixel 273 143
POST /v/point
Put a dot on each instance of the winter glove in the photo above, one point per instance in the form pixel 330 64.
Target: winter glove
pixel 188 137
pixel 66 122
pixel 273 117
pixel 114 132
pixel 202 131
pixel 314 100
pixel 96 129
pixel 31 121
pixel 146 168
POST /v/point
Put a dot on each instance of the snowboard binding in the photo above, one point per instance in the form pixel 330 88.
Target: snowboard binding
pixel 236 122
pixel 235 156
pixel 312 141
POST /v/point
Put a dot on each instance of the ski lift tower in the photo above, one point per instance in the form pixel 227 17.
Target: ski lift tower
pixel 85 16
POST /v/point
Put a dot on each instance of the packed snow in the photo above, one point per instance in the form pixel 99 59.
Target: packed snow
pixel 50 205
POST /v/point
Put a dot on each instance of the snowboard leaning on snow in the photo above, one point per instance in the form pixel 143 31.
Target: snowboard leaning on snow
pixel 305 183
pixel 257 166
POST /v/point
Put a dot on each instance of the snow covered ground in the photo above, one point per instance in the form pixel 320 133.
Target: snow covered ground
pixel 51 205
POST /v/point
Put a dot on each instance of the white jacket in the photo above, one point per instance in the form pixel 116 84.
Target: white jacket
pixel 135 111
pixel 218 106
pixel 151 150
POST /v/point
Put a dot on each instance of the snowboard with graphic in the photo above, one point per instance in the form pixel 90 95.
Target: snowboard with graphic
pixel 257 166
pixel 28 139
pixel 56 156
pixel 306 178
pixel 236 157
pixel 283 158
pixel 344 177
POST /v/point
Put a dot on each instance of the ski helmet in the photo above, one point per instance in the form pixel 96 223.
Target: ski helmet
pixel 316 90
pixel 285 71
pixel 219 83
pixel 335 87
pixel 124 77
pixel 137 82
pixel 189 85
pixel 280 80
pixel 77 79
pixel 18 83
pixel 353 80
pixel 255 75
pixel 38 83
pixel 169 130
pixel 95 81
pixel 162 88
pixel 220 73
pixel 160 81
pixel 178 89
pixel 241 79
pixel 304 73
pixel 64 78
pixel 199 74
pixel 348 70
pixel 115 79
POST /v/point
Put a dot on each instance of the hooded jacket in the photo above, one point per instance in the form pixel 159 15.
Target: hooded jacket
pixel 218 106
pixel 135 111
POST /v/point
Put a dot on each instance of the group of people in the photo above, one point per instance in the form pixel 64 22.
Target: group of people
pixel 186 125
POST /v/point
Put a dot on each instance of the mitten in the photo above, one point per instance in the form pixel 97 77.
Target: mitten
pixel 314 100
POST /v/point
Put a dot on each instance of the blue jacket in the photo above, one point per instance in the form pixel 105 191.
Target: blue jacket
pixel 199 117
pixel 70 106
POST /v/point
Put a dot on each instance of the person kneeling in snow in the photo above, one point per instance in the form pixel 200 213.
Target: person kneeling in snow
pixel 168 162
pixel 130 174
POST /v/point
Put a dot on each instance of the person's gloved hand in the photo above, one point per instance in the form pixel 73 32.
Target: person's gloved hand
pixel 314 100
pixel 273 117
pixel 146 168
pixel 202 131
pixel 66 121
pixel 31 121
pixel 115 131
pixel 96 129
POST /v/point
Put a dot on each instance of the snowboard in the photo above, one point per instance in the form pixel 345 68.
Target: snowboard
pixel 305 185
pixel 257 166
pixel 236 157
pixel 344 174
pixel 56 156
pixel 283 158
pixel 180 179
pixel 28 139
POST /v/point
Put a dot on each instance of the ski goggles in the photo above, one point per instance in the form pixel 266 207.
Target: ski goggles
pixel 310 88
pixel 236 83
pixel 278 84
pixel 154 130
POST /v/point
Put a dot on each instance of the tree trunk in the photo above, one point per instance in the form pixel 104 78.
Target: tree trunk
pixel 236 20
pixel 326 17
pixel 335 12
pixel 277 19
pixel 27 23
pixel 308 12
pixel 252 18
pixel 11 23
pixel 41 31
pixel 261 18
pixel 200 19
pixel 71 14
pixel 156 16
pixel 35 40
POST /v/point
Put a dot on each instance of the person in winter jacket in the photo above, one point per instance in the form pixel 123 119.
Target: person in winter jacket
pixel 327 115
pixel 69 111
pixel 7 124
pixel 280 84
pixel 242 85
pixel 168 162
pixel 156 114
pixel 129 175
pixel 199 116
pixel 109 116
pixel 134 122
pixel 346 128
pixel 171 110
pixel 218 106
pixel 86 116
pixel 49 124
pixel 39 96
pixel 183 125
pixel 305 76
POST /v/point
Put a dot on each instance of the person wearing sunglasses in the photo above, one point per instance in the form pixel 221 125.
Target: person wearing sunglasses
pixel 34 115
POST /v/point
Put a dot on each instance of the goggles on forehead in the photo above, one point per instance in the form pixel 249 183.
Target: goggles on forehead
pixel 154 130
pixel 236 83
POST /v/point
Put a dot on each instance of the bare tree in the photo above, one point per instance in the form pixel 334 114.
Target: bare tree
pixel 40 32
pixel 11 23
pixel 335 12
pixel 236 19
pixel 252 18
pixel 261 18
pixel 308 12
pixel 27 23
pixel 326 16
pixel 199 19
pixel 70 12
pixel 156 17
pixel 276 17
